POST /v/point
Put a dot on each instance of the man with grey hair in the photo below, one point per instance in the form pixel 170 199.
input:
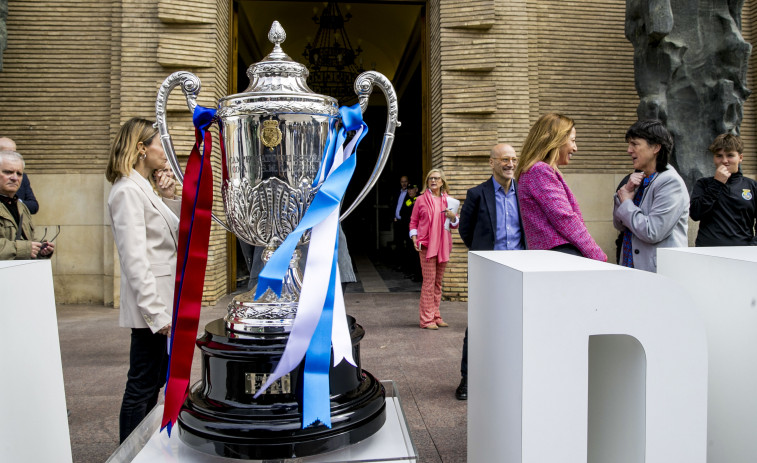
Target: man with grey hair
pixel 16 227
pixel 24 193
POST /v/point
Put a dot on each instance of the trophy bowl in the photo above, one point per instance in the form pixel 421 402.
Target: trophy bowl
pixel 273 137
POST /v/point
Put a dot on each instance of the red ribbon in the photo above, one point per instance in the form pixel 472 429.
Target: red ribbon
pixel 192 258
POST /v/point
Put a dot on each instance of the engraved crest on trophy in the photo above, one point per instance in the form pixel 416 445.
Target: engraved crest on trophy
pixel 271 134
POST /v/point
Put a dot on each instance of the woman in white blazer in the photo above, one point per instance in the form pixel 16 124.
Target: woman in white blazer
pixel 144 219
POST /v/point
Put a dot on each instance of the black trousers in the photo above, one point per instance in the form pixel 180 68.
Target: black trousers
pixel 464 361
pixel 565 248
pixel 148 363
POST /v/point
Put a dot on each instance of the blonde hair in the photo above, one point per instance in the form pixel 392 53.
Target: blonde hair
pixel 547 135
pixel 444 188
pixel 124 150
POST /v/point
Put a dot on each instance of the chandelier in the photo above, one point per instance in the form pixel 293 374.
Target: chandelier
pixel 332 62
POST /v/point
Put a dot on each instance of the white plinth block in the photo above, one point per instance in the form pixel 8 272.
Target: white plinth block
pixel 547 329
pixel 33 421
pixel 723 283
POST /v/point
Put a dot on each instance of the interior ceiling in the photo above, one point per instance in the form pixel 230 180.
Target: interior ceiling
pixel 383 30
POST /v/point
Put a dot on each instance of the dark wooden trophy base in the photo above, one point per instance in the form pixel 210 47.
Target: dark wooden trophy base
pixel 221 417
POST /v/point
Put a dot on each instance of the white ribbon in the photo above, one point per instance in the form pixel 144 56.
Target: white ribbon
pixel 313 294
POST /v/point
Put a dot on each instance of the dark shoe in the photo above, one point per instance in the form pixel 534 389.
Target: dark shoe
pixel 462 390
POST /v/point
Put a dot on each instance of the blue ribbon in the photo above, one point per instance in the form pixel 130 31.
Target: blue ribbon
pixel 203 117
pixel 316 391
pixel 316 405
pixel 329 196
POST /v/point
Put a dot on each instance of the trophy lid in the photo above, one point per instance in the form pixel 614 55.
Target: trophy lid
pixel 278 73
pixel 277 84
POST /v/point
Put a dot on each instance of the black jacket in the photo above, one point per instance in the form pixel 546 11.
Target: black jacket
pixel 726 212
pixel 26 195
pixel 478 218
pixel 405 212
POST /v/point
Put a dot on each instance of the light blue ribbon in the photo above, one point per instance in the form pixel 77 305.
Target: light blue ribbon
pixel 329 196
pixel 318 359
pixel 316 390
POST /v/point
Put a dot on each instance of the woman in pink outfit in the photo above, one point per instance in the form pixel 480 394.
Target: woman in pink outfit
pixel 550 213
pixel 434 243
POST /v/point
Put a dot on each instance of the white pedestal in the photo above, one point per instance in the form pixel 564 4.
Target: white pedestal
pixel 574 360
pixel 33 421
pixel 722 282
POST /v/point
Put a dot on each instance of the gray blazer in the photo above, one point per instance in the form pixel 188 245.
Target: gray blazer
pixel 146 235
pixel 660 221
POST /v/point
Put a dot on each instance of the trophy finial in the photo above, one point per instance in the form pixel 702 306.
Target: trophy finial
pixel 277 36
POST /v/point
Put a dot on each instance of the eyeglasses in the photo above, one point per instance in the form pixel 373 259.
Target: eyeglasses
pixel 45 242
pixel 57 232
pixel 434 179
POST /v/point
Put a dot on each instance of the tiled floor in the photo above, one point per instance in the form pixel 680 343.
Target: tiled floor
pixel 424 364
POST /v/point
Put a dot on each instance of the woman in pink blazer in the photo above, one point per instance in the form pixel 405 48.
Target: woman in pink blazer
pixel 433 242
pixel 144 219
pixel 550 213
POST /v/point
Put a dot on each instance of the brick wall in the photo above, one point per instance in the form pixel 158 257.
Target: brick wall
pixel 749 124
pixel 75 71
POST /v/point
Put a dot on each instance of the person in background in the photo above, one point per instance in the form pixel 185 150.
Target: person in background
pixel 25 192
pixel 725 204
pixel 549 211
pixel 410 264
pixel 17 234
pixel 399 231
pixel 490 220
pixel 344 262
pixel 253 258
pixel 144 214
pixel 652 209
pixel 433 243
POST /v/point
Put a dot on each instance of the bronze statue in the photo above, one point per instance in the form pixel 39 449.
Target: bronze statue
pixel 690 64
pixel 3 29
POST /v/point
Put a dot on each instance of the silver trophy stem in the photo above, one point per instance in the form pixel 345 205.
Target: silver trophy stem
pixel 269 313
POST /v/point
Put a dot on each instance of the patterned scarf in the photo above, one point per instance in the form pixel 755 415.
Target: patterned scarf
pixel 627 259
pixel 439 239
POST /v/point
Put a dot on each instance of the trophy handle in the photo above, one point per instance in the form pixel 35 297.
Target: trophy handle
pixel 190 85
pixel 363 88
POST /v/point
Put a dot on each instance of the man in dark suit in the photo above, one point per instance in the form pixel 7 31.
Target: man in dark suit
pixel 490 220
pixel 400 231
pixel 410 263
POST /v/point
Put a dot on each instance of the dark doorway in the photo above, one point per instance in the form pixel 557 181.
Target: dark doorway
pixel 391 35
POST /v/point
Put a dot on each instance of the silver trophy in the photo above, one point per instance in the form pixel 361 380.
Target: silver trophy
pixel 274 136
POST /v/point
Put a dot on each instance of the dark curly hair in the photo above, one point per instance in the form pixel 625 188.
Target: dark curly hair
pixel 655 133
